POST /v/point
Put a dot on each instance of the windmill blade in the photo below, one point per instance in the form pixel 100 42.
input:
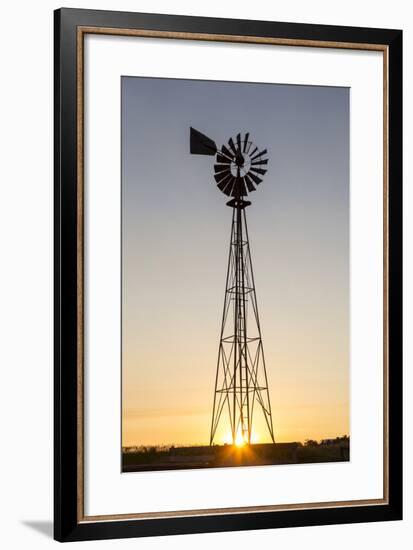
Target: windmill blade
pixel 254 178
pixel 248 182
pixel 226 183
pixel 253 152
pixel 265 161
pixel 259 154
pixel 224 155
pixel 232 146
pixel 239 189
pixel 228 189
pixel 239 142
pixel 200 144
pixel 258 171
pixel 221 158
pixel 221 168
pixel 245 142
pixel 219 177
pixel 226 152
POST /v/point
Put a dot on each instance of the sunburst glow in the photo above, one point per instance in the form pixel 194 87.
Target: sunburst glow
pixel 239 440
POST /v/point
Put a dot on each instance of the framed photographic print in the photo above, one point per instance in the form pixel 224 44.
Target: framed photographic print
pixel 228 274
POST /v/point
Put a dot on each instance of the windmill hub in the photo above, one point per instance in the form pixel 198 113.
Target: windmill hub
pixel 239 160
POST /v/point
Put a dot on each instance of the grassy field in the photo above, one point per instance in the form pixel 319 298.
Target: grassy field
pixel 135 459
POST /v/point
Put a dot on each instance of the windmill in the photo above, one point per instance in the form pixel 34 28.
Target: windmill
pixel 241 383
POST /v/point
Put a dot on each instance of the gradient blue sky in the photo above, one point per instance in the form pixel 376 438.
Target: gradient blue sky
pixel 175 233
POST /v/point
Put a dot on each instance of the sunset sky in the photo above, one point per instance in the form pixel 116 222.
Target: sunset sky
pixel 175 236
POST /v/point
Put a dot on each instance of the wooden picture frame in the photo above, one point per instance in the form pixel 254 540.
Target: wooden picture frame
pixel 71 27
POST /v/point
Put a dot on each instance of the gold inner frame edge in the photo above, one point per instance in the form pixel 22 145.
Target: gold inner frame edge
pixel 143 33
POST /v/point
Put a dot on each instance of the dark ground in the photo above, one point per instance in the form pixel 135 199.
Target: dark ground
pixel 219 456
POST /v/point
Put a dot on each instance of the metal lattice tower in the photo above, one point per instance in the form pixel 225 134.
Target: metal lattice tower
pixel 241 383
pixel 241 379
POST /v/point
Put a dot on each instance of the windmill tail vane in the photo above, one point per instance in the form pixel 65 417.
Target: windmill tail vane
pixel 241 384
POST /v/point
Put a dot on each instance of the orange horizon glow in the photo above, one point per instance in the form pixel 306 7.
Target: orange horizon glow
pixel 336 427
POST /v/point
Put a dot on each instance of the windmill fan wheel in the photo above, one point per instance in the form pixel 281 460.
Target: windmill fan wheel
pixel 239 166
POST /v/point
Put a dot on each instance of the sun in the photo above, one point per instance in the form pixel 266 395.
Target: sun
pixel 240 441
